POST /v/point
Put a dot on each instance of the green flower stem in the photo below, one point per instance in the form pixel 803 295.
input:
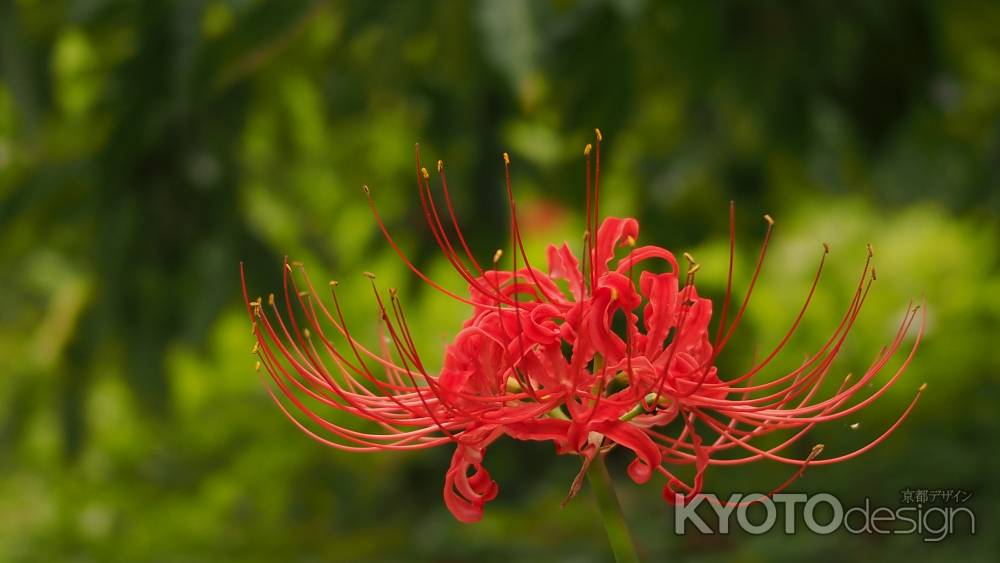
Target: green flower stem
pixel 611 512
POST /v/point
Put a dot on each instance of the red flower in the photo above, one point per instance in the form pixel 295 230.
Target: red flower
pixel 596 353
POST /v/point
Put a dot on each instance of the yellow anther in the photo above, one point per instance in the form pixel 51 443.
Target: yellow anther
pixel 256 366
pixel 288 266
pixel 630 240
pixel 614 294
pixel 506 158
pixel 871 251
pixel 425 173
pixel 440 166
pixel 256 346
pixel 826 248
pixel 854 426
pixel 306 333
pixel 393 292
pixel 270 299
pixel 364 188
pixel 303 293
pixel 874 275
pixel 770 221
pixel 297 263
pixel 817 449
pixel 334 283
pixel 922 388
pixel 369 275
pixel 597 132
pixel 692 265
pixel 586 150
pixel 497 255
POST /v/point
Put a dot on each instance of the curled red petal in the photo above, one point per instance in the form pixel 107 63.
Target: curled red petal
pixel 563 265
pixel 647 454
pixel 614 232
pixel 465 495
pixel 545 429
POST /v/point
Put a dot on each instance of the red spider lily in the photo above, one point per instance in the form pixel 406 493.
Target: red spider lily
pixel 541 359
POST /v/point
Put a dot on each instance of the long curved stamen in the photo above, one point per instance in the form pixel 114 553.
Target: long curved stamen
pixel 587 242
pixel 518 241
pixel 454 218
pixel 597 204
pixel 729 276
pixel 753 282
pixel 434 223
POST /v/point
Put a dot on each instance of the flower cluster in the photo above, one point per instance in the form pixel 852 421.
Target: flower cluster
pixel 608 349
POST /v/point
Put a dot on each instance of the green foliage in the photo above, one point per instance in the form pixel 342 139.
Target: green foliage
pixel 148 147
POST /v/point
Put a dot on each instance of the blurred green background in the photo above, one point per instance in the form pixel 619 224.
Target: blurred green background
pixel 147 147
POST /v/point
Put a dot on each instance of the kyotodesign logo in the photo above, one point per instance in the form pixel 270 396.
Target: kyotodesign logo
pixel 931 514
